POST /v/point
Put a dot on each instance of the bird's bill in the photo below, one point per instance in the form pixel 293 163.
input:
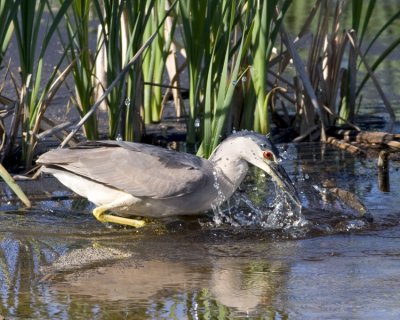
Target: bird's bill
pixel 279 175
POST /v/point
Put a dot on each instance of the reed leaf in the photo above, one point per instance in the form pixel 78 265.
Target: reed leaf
pixel 78 47
pixel 198 43
pixel 32 99
pixel 154 63
pixel 118 78
pixel 389 49
pixel 123 24
pixel 8 179
pixel 8 12
pixel 222 77
pixel 361 20
pixel 266 27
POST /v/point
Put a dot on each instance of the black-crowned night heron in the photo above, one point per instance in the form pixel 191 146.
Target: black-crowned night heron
pixel 128 178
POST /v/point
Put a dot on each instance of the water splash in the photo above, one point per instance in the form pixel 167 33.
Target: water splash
pixel 287 152
pixel 273 213
pixel 218 202
pixel 283 214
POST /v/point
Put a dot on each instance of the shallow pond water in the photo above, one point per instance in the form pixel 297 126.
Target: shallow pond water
pixel 58 262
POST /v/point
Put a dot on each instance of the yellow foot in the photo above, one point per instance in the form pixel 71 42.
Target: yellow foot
pixel 100 215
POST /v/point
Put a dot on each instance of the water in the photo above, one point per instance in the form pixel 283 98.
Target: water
pixel 58 262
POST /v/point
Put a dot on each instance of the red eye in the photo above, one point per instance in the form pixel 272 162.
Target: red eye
pixel 268 155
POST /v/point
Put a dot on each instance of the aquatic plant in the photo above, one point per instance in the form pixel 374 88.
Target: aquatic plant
pixel 35 92
pixel 235 49
pixel 8 11
pixel 83 60
pixel 362 13
pixel 237 55
pixel 326 84
pixel 154 62
pixel 8 179
pixel 122 25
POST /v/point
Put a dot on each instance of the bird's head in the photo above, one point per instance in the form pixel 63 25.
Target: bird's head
pixel 258 150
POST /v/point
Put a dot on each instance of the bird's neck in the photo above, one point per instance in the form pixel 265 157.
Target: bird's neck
pixel 230 171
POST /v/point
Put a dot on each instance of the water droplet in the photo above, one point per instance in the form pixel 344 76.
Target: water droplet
pixel 127 102
pixel 197 123
pixel 244 79
pixel 234 82
pixel 119 137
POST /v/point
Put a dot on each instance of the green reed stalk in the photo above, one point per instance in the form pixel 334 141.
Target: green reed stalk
pixel 14 186
pixel 360 20
pixel 362 14
pixel 109 14
pixel 154 63
pixel 122 25
pixel 200 20
pixel 78 23
pixel 389 49
pixel 8 11
pixel 35 97
pixel 238 32
pixel 138 14
pixel 129 75
pixel 224 65
pixel 266 26
pixel 259 45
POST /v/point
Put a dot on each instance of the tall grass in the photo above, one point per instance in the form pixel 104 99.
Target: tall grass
pixel 122 26
pixel 240 37
pixel 34 96
pixel 154 62
pixel 8 11
pixel 222 75
pixel 197 43
pixel 267 21
pixel 234 78
pixel 83 60
pixel 14 186
pixel 111 35
pixel 362 13
pixel 326 84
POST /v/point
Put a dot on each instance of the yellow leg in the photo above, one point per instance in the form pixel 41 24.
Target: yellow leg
pixel 100 214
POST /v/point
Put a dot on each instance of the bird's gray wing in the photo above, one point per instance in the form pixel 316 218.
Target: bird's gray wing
pixel 139 169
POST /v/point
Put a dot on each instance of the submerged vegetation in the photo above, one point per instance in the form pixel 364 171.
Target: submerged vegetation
pixel 236 60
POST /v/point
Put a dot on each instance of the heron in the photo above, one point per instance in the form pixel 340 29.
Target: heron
pixel 125 179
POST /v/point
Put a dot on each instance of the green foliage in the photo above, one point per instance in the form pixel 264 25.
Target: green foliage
pixel 154 62
pixel 240 37
pixel 122 28
pixel 326 83
pixel 14 186
pixel 8 11
pixel 34 96
pixel 83 60
pixel 362 17
pixel 234 78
